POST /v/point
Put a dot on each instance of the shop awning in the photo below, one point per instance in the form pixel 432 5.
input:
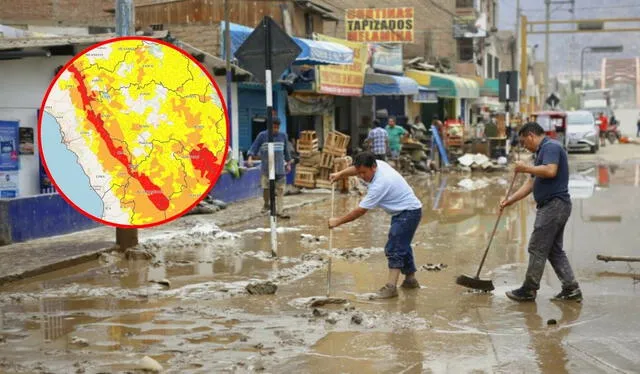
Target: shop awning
pixel 387 85
pixel 447 85
pixel 490 87
pixel 313 52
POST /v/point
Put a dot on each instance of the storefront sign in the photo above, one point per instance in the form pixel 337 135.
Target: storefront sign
pixel 343 80
pixel 9 141
pixel 426 97
pixel 382 25
pixel 386 58
pixel 8 184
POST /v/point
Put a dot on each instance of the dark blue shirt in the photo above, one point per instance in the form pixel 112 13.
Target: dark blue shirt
pixel 545 189
pixel 280 152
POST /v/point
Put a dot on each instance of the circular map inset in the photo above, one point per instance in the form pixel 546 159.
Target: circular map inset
pixel 133 132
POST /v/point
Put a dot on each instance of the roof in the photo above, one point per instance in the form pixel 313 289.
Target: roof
pixel 35 42
pixel 217 64
pixel 143 3
pixel 323 11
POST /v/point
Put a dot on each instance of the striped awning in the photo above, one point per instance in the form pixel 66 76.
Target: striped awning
pixel 376 84
pixel 449 86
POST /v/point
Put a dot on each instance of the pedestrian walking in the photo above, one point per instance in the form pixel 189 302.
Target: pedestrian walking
pixel 390 191
pixel 282 161
pixel 378 141
pixel 638 126
pixel 549 183
pixel 396 133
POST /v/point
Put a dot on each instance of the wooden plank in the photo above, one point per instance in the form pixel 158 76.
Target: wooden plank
pixel 618 258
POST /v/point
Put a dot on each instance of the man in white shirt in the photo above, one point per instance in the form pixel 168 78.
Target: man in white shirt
pixel 391 192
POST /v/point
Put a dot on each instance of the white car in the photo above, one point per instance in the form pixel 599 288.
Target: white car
pixel 583 133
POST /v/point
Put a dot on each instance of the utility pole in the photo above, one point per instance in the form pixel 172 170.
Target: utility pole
pixel 517 57
pixel 125 25
pixel 229 77
pixel 547 18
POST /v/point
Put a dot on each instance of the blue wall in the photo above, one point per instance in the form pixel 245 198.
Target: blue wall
pixel 48 215
pixel 246 187
pixel 41 216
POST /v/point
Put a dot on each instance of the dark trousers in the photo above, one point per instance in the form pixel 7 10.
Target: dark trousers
pixel 546 244
pixel 381 156
pixel 398 249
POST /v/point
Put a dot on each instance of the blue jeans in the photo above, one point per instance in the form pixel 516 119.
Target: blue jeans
pixel 398 249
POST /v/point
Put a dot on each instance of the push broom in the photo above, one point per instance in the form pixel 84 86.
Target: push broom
pixel 475 282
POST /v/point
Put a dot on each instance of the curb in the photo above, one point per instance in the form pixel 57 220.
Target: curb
pixel 67 262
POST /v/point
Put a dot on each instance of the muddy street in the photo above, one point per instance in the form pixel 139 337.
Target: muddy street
pixel 181 300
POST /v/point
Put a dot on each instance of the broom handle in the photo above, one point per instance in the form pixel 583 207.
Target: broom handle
pixel 495 227
pixel 333 191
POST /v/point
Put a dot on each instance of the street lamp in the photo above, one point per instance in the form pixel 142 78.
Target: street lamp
pixel 596 49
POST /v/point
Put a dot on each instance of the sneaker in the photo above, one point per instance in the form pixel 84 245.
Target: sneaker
pixel 569 295
pixel 521 294
pixel 410 283
pixel 386 292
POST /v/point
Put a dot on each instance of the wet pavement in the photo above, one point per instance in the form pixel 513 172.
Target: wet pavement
pixel 106 315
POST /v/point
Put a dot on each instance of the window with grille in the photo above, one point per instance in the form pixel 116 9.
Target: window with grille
pixel 465 49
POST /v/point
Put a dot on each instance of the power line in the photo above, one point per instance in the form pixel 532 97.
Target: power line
pixel 539 10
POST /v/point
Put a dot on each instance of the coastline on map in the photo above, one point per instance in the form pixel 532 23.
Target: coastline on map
pixel 66 170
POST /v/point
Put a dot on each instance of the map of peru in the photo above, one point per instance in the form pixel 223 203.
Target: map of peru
pixel 143 129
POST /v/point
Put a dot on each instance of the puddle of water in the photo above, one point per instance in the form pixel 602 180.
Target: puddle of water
pixel 206 322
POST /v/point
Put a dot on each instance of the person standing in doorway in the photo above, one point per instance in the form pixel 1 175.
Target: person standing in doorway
pixel 396 133
pixel 378 141
pixel 282 159
pixel 391 192
pixel 549 182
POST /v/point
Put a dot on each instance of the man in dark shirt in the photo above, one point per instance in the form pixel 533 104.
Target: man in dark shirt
pixel 282 160
pixel 550 185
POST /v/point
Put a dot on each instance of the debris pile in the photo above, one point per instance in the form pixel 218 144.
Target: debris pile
pixel 469 162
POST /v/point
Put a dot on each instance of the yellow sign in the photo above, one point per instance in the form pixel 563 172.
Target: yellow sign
pixel 381 25
pixel 343 80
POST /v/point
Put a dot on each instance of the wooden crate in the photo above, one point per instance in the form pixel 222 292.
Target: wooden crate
pixel 304 178
pixel 308 137
pixel 326 160
pixel 336 144
pixel 337 140
pixel 323 173
pixel 307 147
pixel 307 169
pixel 341 163
pixel 310 158
pixel 323 183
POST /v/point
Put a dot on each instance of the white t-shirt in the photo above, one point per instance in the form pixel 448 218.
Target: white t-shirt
pixel 389 191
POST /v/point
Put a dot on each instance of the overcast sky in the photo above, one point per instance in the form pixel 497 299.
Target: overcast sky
pixel 565 49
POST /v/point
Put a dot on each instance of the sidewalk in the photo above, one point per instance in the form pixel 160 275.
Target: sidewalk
pixel 35 257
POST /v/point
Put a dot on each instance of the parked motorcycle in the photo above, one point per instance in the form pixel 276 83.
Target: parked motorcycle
pixel 613 133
